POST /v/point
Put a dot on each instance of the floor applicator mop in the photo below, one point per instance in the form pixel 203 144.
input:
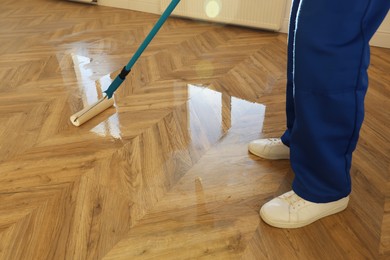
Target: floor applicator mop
pixel 107 101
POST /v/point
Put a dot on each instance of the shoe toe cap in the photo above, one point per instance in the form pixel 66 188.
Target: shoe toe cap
pixel 256 147
pixel 275 210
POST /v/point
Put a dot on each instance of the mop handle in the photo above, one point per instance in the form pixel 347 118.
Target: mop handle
pixel 125 71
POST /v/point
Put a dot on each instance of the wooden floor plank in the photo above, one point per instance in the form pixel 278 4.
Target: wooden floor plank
pixel 165 174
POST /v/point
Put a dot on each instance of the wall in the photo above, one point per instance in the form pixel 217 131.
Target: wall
pixel 148 6
pixel 381 38
pixel 286 17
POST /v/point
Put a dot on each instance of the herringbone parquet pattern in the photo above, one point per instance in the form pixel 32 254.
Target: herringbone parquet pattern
pixel 166 173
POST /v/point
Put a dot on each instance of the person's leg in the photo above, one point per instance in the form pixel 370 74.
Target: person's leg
pixel 331 58
pixel 290 111
pixel 330 61
pixel 274 148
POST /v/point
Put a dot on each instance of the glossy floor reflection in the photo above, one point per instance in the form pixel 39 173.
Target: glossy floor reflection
pixel 215 111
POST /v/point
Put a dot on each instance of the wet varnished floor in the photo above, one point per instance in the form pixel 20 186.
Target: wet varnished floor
pixel 165 174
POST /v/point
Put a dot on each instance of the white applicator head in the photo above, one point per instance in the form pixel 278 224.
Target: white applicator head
pixel 89 112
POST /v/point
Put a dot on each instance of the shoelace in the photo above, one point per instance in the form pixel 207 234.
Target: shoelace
pixel 274 141
pixel 294 200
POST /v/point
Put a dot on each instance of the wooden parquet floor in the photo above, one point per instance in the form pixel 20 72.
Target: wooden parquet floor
pixel 166 173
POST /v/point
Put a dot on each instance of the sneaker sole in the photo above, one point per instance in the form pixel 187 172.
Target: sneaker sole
pixel 304 223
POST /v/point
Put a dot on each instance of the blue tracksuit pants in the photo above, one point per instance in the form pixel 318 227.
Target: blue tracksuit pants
pixel 328 57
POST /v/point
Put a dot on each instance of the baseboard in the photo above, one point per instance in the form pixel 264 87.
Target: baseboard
pixel 115 3
pixel 149 6
pixel 285 24
pixel 381 39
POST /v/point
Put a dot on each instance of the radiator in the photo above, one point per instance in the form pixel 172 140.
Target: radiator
pixel 265 14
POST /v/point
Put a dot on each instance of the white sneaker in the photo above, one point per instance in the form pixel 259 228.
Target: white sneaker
pixel 272 149
pixel 291 211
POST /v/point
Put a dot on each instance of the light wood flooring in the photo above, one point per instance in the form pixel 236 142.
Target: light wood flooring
pixel 166 173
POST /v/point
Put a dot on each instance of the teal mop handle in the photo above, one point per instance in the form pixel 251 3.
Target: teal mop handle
pixel 125 71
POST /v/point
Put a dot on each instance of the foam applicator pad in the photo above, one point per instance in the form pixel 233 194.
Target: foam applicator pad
pixel 89 112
